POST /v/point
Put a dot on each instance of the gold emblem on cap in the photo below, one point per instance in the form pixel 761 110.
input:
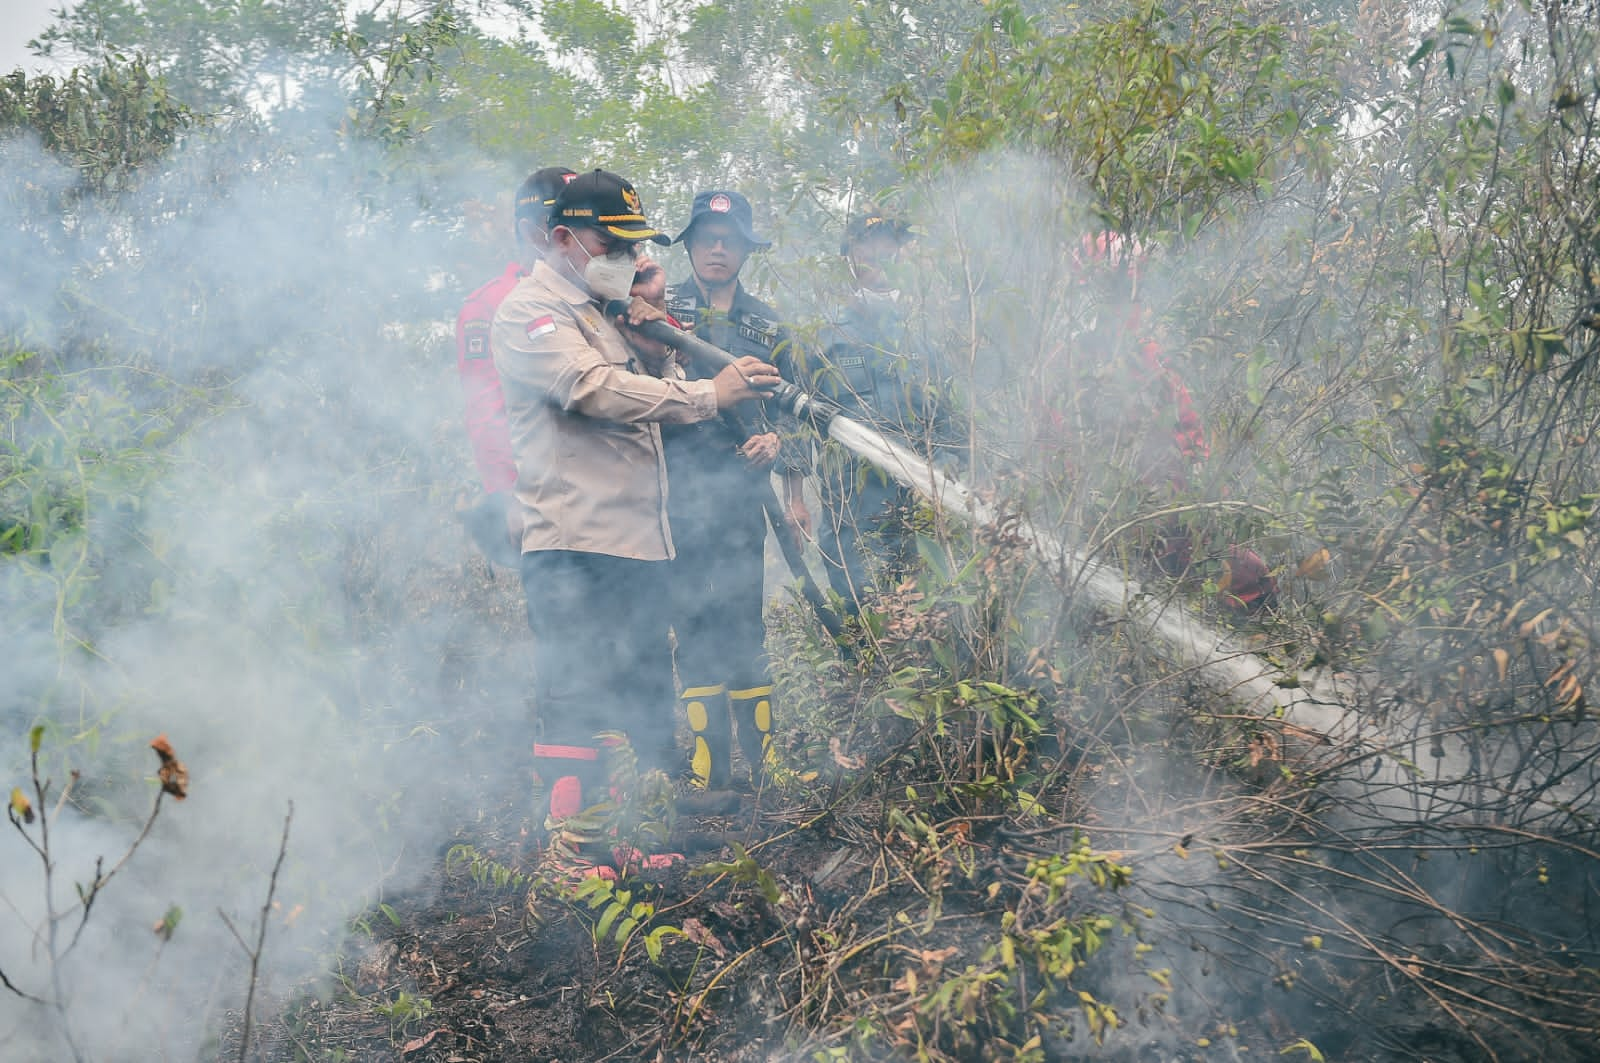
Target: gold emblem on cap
pixel 631 198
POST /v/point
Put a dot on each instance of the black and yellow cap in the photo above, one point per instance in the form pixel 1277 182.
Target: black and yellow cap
pixel 537 194
pixel 602 200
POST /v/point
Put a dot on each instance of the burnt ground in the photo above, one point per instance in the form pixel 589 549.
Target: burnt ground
pixel 832 939
pixel 468 969
pixel 847 933
pixel 505 986
pixel 884 900
pixel 836 917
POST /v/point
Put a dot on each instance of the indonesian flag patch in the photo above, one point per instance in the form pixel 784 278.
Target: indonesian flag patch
pixel 541 326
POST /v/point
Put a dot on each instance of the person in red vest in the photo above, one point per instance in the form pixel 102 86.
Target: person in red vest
pixel 493 521
pixel 1141 409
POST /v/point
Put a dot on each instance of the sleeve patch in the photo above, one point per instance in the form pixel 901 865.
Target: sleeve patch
pixel 476 337
pixel 541 326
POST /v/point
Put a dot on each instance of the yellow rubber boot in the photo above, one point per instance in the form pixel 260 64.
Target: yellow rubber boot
pixel 752 708
pixel 707 709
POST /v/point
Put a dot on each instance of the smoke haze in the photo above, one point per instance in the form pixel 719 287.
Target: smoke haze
pixel 234 417
pixel 262 451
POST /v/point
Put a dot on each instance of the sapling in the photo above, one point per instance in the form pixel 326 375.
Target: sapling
pixel 32 820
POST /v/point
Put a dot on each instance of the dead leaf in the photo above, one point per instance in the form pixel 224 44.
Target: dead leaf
pixel 173 775
pixel 696 931
pixel 1551 638
pixel 419 1042
pixel 933 960
pixel 1501 660
pixel 840 758
pixel 1262 748
pixel 21 807
pixel 1315 567
pixel 1528 626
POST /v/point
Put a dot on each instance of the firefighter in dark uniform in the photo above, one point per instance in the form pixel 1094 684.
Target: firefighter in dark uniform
pixel 869 363
pixel 718 475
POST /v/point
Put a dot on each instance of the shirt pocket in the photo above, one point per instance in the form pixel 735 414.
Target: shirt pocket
pixel 617 353
pixel 857 377
pixel 608 342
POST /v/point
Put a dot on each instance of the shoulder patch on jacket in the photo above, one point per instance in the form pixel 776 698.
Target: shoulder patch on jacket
pixel 540 326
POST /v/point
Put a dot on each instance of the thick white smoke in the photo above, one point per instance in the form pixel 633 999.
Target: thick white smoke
pixel 240 398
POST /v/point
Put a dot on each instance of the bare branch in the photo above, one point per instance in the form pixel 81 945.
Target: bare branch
pixel 261 937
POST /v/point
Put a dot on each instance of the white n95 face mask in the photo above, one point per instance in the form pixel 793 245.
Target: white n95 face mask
pixel 610 276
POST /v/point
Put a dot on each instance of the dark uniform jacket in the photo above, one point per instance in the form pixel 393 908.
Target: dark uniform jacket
pixel 870 365
pixel 705 474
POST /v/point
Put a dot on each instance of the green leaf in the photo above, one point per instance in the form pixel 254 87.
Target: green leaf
pixel 169 923
pixel 590 888
pixel 602 929
pixel 934 557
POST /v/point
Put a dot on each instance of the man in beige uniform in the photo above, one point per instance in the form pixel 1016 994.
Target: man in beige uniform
pixel 584 412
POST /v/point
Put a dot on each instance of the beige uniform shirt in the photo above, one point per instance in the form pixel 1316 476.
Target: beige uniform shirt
pixel 584 415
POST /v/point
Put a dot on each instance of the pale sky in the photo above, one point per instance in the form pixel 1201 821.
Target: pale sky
pixel 19 21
